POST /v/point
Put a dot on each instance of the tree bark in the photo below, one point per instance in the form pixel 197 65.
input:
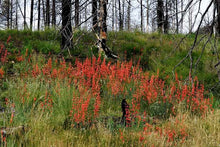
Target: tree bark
pixel 44 16
pixel 8 13
pixel 16 17
pixel 66 32
pixel 113 15
pixel 32 11
pixel 129 14
pixel 11 17
pixel 166 21
pixel 47 13
pixel 177 19
pixel 147 26
pixel 160 15
pixel 141 3
pixel 25 14
pixel 38 23
pixel 120 16
pixel 217 3
pixel 54 13
pixel 76 13
pixel 94 15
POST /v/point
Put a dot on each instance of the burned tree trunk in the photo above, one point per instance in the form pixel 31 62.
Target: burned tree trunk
pixel 94 14
pixel 102 26
pixel 47 13
pixel 76 13
pixel 32 11
pixel 38 23
pixel 66 31
pixel 217 5
pixel 160 15
pixel 54 13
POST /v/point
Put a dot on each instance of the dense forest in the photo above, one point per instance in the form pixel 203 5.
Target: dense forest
pixel 109 73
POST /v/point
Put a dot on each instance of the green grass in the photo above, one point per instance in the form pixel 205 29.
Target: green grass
pixel 51 126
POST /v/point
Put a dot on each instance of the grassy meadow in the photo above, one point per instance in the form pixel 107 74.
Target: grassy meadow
pixel 49 99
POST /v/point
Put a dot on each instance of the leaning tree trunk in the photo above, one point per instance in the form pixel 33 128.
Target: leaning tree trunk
pixel 66 31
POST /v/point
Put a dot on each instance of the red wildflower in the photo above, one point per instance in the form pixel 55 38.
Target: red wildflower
pixel 1 72
pixel 9 37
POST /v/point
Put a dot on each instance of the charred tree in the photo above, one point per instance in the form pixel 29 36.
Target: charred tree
pixel 102 37
pixel 54 13
pixel 32 11
pixel 129 15
pixel 217 5
pixel 125 111
pixel 47 13
pixel 94 15
pixel 76 13
pixel 142 17
pixel 38 21
pixel 66 31
pixel 166 19
pixel 160 15
pixel 147 25
pixel 120 16
pixel 25 14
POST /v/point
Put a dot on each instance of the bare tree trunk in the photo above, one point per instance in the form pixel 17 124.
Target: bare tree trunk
pixel 7 14
pixel 217 3
pixel 16 17
pixel 123 12
pixel 160 15
pixel 105 15
pixel 182 16
pixel 44 16
pixel 32 11
pixel 147 25
pixel 166 21
pixel 141 2
pixel 85 15
pixel 103 30
pixel 94 15
pixel 66 32
pixel 38 23
pixel 177 23
pixel 11 17
pixel 47 13
pixel 113 15
pixel 120 16
pixel 116 16
pixel 190 20
pixel 129 14
pixel 76 13
pixel 25 14
pixel 54 13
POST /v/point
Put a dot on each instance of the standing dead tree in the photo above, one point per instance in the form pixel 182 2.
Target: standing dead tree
pixel 66 31
pixel 207 38
pixel 102 27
